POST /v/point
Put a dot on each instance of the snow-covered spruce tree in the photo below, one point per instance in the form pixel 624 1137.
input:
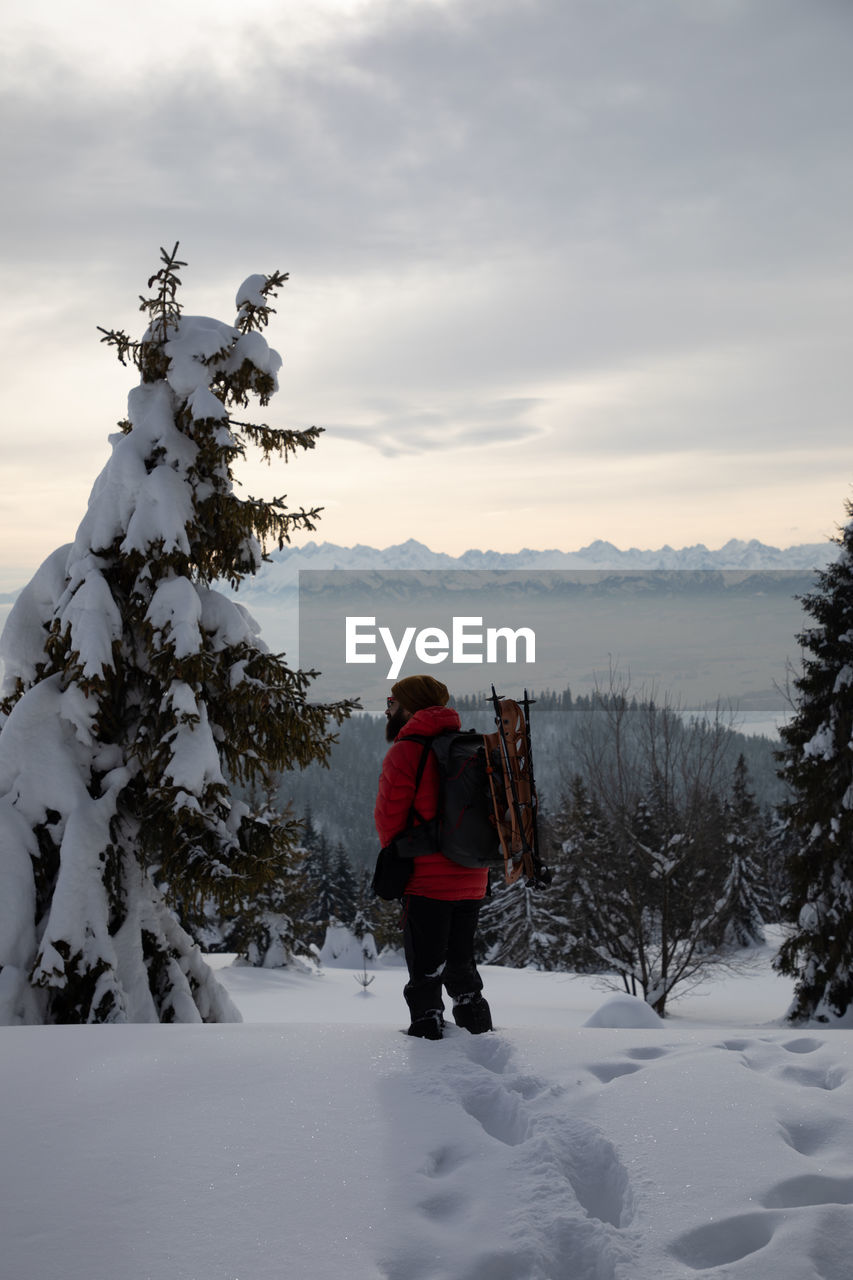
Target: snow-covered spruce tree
pixel 271 929
pixel 365 916
pixel 598 905
pixel 744 905
pixel 330 885
pixel 817 764
pixel 520 929
pixel 343 885
pixel 318 871
pixel 136 694
pixel 779 845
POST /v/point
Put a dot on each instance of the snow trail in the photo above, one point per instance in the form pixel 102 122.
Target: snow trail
pixel 314 1141
pixel 515 1186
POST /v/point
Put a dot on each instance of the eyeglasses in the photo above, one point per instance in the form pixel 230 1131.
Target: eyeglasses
pixel 391 702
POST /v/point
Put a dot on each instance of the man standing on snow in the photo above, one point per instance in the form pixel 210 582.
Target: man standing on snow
pixel 442 901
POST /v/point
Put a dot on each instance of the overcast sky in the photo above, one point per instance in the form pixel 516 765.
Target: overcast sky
pixel 560 270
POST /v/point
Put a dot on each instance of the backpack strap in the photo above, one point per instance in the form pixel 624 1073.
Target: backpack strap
pixel 426 743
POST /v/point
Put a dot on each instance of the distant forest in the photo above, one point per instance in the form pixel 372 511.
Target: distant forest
pixel 339 799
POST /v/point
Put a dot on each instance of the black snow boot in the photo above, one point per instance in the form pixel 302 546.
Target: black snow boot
pixel 473 1014
pixel 428 1027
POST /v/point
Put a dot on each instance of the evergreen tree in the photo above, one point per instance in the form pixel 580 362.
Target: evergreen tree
pixel 270 928
pixel 343 886
pixel 778 847
pixel 382 919
pixel 817 764
pixel 599 908
pixel 310 834
pixel 744 902
pixel 366 918
pixel 136 694
pixel 519 928
pixel 321 898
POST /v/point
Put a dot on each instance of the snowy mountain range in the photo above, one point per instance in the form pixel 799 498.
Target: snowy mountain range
pixel 702 624
pixel 280 575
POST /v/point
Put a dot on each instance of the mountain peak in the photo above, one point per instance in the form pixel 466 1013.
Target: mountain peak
pixel 280 574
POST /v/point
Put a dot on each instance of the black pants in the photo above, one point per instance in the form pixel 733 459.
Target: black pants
pixel 438 938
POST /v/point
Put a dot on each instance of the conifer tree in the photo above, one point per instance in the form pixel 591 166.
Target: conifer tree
pixel 520 929
pixel 599 908
pixel 136 693
pixel 321 898
pixel 779 845
pixel 366 917
pixel 310 834
pixel 817 764
pixel 343 886
pixel 521 926
pixel 382 918
pixel 271 928
pixel 744 904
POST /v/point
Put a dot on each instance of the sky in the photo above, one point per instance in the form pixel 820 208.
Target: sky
pixel 559 269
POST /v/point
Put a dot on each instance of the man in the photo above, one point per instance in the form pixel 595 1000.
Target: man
pixel 442 899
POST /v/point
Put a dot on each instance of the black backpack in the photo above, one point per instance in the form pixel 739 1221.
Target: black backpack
pixel 464 826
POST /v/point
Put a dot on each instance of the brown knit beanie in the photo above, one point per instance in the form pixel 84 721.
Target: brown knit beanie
pixel 416 692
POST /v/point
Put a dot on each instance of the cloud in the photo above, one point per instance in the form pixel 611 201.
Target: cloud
pixel 617 233
pixel 469 127
pixel 397 430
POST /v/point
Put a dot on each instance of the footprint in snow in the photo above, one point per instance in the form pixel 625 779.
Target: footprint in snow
pixel 728 1240
pixel 498 1110
pixel 573 1227
pixel 774 1056
pixel 803 1045
pixel 591 1165
pixel 809 1189
pixel 444 1160
pixel 744 1236
pixel 809 1136
pixel 607 1071
pixel 489 1051
pixel 814 1077
pixel 579 1152
pixel 647 1053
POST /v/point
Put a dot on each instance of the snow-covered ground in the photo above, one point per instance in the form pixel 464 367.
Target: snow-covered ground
pixel 315 1142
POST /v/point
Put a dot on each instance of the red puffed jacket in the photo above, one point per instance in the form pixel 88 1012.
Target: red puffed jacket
pixel 433 875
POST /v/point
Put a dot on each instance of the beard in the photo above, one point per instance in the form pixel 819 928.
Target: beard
pixel 394 724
